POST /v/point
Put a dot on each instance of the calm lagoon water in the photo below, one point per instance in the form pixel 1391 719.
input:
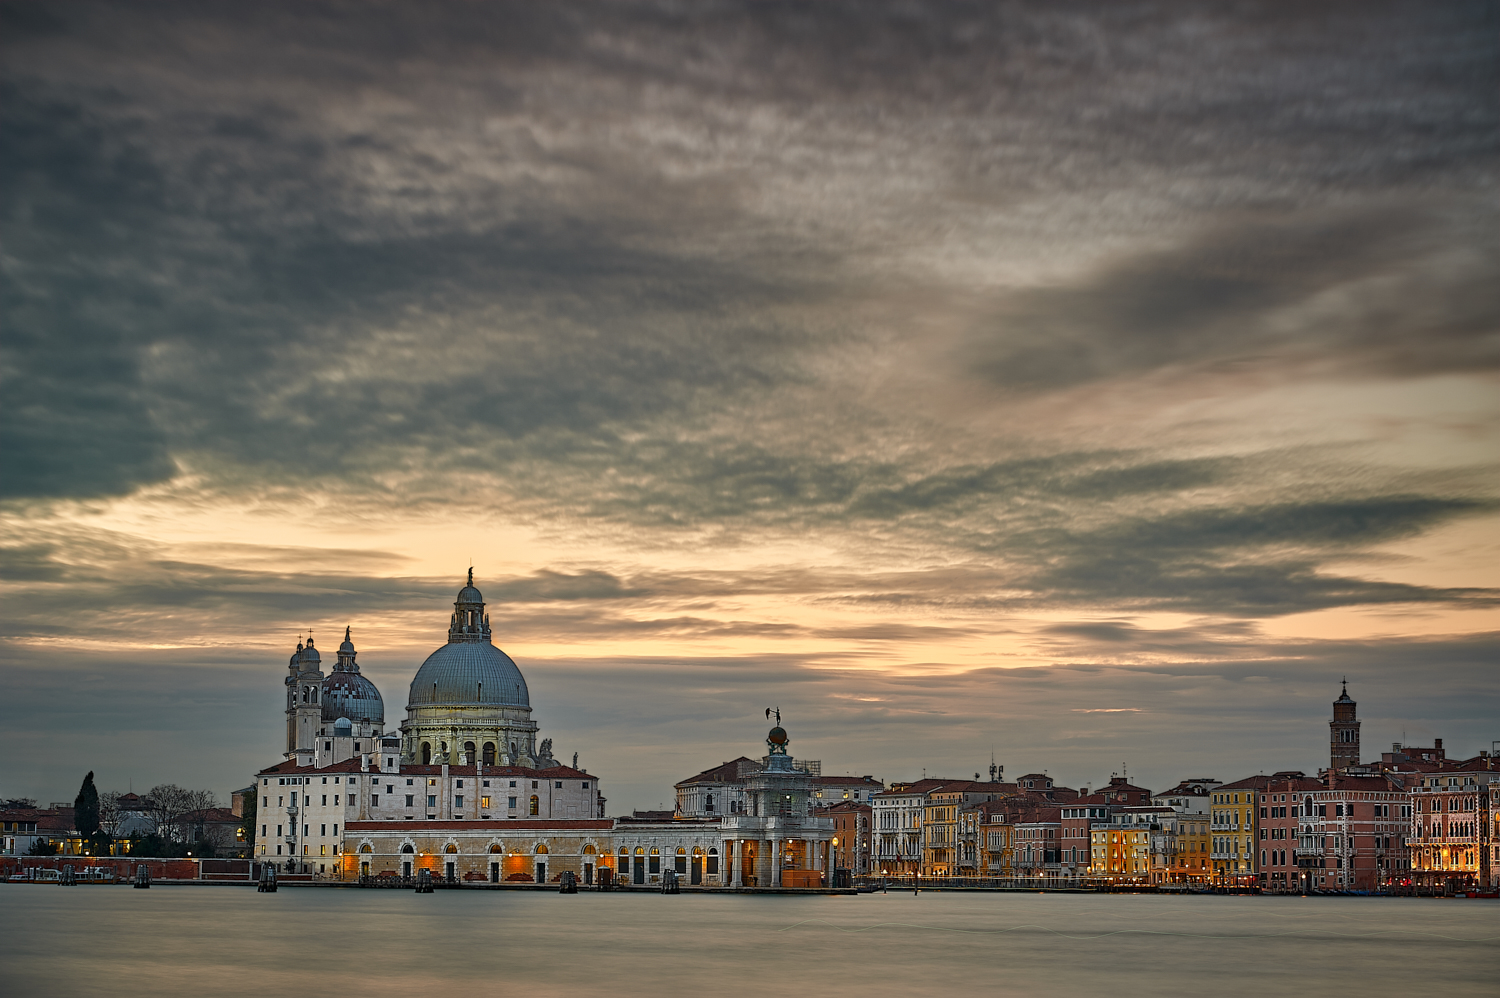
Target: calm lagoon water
pixel 170 941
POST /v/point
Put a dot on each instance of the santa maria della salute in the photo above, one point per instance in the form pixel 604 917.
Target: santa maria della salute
pixel 465 791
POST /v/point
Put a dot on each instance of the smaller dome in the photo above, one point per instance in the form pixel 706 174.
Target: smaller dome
pixel 342 724
pixel 349 695
pixel 309 655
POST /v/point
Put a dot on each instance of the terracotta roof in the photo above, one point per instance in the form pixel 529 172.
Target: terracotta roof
pixel 1248 783
pixel 846 806
pixel 724 772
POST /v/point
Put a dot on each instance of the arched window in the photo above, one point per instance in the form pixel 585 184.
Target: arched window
pixel 512 751
pixel 489 753
pixel 407 848
pixel 495 847
pixel 588 850
pixel 451 848
pixel 541 849
pixel 468 753
pixel 536 804
pixel 426 753
pixel 366 848
pixel 708 803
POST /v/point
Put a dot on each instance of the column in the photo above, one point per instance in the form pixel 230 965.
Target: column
pixel 775 857
pixel 732 856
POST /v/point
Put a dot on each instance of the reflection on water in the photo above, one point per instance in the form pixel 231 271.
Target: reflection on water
pixel 174 940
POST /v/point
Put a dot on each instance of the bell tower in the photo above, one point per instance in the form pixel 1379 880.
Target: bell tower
pixel 1343 732
pixel 304 712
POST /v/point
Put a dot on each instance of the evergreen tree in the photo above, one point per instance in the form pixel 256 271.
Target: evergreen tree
pixel 86 808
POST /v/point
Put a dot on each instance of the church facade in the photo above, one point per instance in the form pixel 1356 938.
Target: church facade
pixel 463 789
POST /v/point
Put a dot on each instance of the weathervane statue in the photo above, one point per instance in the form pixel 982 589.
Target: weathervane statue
pixel 777 739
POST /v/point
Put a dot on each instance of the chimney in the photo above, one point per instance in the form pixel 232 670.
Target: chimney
pixel 1437 743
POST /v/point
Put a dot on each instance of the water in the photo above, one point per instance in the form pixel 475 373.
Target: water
pixel 175 940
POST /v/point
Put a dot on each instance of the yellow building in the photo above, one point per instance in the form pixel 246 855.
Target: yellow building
pixel 1234 830
pixel 1120 852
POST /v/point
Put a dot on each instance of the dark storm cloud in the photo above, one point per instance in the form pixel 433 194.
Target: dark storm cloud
pixel 216 239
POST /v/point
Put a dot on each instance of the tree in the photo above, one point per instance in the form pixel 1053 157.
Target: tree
pixel 86 808
pixel 42 847
pixel 164 806
pixel 109 813
pixel 247 820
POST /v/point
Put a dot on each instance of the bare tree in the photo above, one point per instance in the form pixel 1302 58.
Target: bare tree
pixel 164 805
pixel 109 812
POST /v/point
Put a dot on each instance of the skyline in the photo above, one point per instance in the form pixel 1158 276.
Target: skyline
pixel 1096 385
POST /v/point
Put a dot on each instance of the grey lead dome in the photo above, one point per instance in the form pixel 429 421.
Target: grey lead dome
pixel 469 670
pixel 464 673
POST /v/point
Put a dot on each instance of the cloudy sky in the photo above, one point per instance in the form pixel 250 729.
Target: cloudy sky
pixel 1093 385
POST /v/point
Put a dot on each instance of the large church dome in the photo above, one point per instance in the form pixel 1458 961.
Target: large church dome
pixel 469 670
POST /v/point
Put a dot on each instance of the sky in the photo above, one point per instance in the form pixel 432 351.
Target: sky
pixel 1090 387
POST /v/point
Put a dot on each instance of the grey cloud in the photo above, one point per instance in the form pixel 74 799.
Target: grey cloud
pixel 1233 293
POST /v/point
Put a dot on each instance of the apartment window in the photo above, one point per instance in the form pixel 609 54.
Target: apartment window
pixel 408 798
pixel 486 782
pixel 432 800
pixel 408 782
pixel 484 802
pixel 559 784
pixel 512 804
pixel 512 782
pixel 325 800
pixel 459 784
pixel 533 784
pixel 458 800
pixel 335 800
pixel 536 805
pixel 322 829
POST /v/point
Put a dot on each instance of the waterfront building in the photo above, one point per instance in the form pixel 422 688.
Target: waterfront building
pixel 466 759
pixel 1234 829
pixel 996 836
pixel 717 791
pixel 831 790
pixel 851 836
pixel 1282 821
pixel 940 822
pixel 1453 835
pixel 1121 852
pixel 897 816
pixel 780 840
pixel 1038 828
pixel 1191 800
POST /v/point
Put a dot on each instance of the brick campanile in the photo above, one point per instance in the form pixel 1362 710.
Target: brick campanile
pixel 1343 732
